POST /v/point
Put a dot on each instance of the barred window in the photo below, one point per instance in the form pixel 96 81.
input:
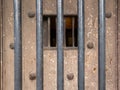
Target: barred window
pixel 70 31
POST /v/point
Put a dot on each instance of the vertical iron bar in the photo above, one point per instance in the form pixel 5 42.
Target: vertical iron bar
pixel 60 55
pixel 81 45
pixel 73 31
pixel 49 32
pixel 18 46
pixel 64 32
pixel 39 44
pixel 101 44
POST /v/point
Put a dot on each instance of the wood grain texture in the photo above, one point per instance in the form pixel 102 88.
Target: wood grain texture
pixel 0 44
pixel 91 65
pixel 111 45
pixel 29 44
pixel 118 53
pixel 8 54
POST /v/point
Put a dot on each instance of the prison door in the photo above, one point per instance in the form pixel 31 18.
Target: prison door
pixel 70 45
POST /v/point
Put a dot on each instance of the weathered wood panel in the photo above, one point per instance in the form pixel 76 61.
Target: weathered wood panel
pixel 91 65
pixel 118 53
pixel 29 44
pixel 91 37
pixel 8 54
pixel 0 45
pixel 111 45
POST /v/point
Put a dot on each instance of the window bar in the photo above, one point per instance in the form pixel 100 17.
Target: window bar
pixel 18 46
pixel 73 30
pixel 60 55
pixel 64 32
pixel 39 44
pixel 101 44
pixel 81 45
pixel 49 32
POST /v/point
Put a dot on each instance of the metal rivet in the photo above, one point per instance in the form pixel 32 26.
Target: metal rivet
pixel 11 45
pixel 32 76
pixel 108 15
pixel 94 69
pixel 31 14
pixel 70 76
pixel 90 45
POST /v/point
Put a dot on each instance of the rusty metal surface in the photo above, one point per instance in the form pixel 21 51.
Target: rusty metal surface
pixel 70 63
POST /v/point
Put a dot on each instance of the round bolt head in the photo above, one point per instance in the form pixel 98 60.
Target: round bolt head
pixel 70 76
pixel 11 45
pixel 32 76
pixel 31 14
pixel 108 15
pixel 90 45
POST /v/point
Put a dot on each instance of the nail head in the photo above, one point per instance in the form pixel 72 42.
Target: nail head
pixel 70 76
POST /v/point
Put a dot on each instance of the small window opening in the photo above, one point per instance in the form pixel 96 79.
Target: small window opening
pixel 70 31
pixel 75 34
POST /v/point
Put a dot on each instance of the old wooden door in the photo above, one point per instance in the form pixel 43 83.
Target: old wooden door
pixel 70 62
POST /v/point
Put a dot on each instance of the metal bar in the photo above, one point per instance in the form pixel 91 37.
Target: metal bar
pixel 18 46
pixel 73 30
pixel 39 44
pixel 64 32
pixel 49 31
pixel 101 44
pixel 81 40
pixel 60 55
